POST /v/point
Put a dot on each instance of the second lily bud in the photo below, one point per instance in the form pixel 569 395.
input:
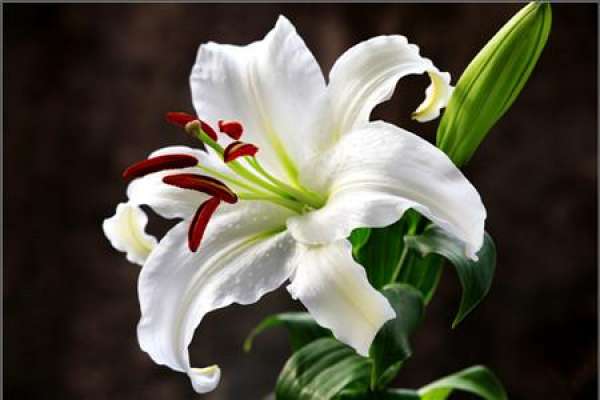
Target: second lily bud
pixel 492 81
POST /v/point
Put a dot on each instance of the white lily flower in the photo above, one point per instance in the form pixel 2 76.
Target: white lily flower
pixel 253 220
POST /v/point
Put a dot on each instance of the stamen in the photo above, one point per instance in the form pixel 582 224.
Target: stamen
pixel 204 184
pixel 182 119
pixel 239 149
pixel 160 163
pixel 233 129
pixel 200 221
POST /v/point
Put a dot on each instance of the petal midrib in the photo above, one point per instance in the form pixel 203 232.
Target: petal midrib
pixel 272 137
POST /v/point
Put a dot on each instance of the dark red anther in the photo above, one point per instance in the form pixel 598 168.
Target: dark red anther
pixel 233 129
pixel 239 149
pixel 181 119
pixel 204 184
pixel 160 163
pixel 200 221
pixel 209 131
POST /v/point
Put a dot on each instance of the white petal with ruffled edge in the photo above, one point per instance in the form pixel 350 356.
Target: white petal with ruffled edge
pixel 366 75
pixel 336 292
pixel 374 174
pixel 126 232
pixel 274 87
pixel 244 254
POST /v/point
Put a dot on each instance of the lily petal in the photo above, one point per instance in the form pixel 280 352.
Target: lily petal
pixel 126 232
pixel 242 256
pixel 366 75
pixel 377 172
pixel 336 292
pixel 273 87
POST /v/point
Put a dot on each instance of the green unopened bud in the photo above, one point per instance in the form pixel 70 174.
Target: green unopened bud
pixel 492 81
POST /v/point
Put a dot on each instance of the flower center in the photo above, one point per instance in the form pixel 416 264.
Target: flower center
pixel 249 177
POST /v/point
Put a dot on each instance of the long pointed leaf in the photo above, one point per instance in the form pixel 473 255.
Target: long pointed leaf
pixel 475 276
pixel 391 346
pixel 477 380
pixel 321 370
pixel 301 327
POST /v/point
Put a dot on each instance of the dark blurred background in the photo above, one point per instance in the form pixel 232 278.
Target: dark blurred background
pixel 85 91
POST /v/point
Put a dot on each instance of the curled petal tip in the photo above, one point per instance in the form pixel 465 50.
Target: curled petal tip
pixel 437 96
pixel 205 380
pixel 126 232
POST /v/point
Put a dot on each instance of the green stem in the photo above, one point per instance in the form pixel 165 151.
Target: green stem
pixel 374 375
pixel 228 178
pixel 411 231
pixel 288 194
pixel 235 166
pixel 292 205
pixel 311 199
pixel 400 264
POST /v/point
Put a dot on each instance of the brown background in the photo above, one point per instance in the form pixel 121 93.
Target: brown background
pixel 85 89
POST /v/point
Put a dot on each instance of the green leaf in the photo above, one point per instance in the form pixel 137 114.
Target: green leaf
pixel 423 273
pixel 475 276
pixel 492 81
pixel 392 394
pixel 321 370
pixel 359 237
pixel 383 249
pixel 391 346
pixel 400 394
pixel 477 380
pixel 302 329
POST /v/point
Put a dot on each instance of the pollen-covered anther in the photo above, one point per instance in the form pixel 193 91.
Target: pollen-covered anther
pixel 204 184
pixel 239 149
pixel 160 163
pixel 200 221
pixel 189 122
pixel 233 129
